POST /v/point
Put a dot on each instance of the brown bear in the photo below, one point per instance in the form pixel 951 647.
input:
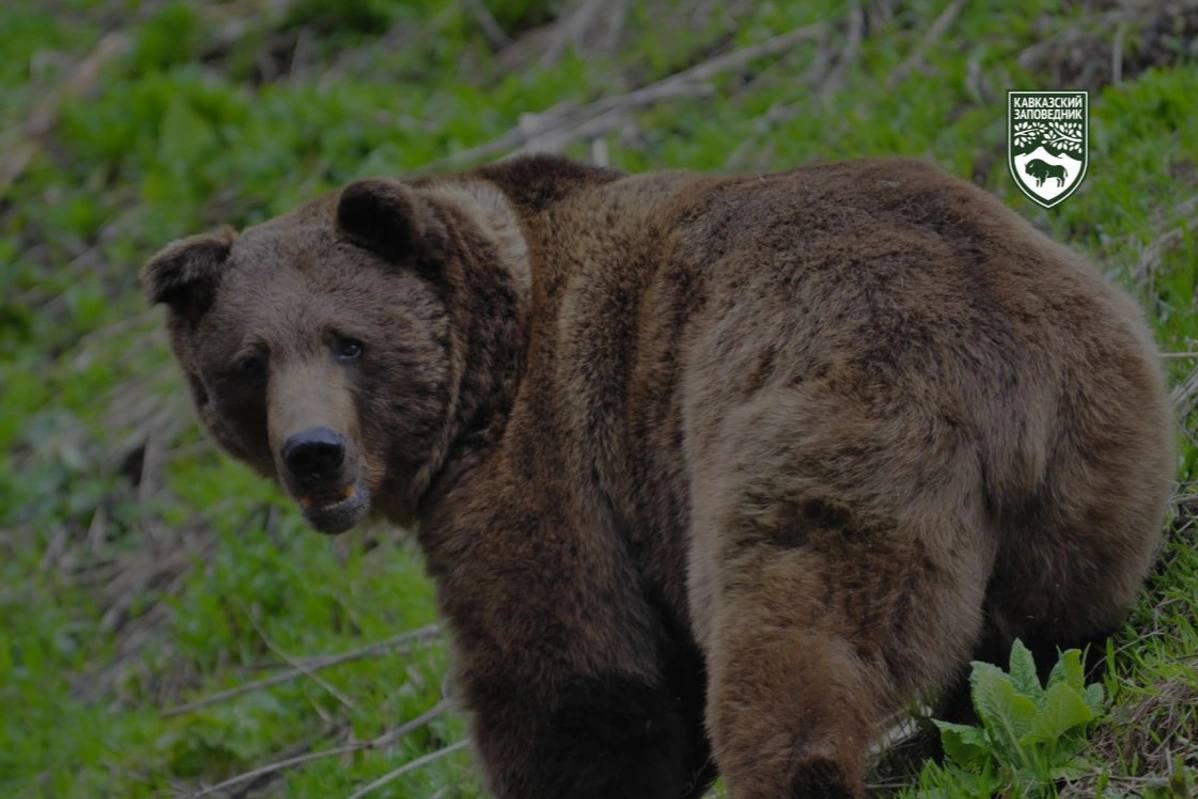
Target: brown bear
pixel 713 474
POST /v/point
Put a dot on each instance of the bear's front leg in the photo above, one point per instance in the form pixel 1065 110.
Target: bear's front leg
pixel 590 738
pixel 578 685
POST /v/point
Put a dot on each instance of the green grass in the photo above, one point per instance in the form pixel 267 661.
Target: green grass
pixel 140 569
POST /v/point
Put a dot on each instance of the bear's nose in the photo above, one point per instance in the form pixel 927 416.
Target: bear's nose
pixel 314 454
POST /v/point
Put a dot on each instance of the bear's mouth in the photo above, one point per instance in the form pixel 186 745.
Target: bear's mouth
pixel 335 510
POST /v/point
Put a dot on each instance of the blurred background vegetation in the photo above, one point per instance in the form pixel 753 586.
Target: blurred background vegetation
pixel 142 573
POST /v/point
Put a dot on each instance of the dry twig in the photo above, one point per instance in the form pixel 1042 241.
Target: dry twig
pixel 571 29
pixel 852 48
pixel 933 35
pixel 381 742
pixel 1153 253
pixel 424 760
pixel 486 21
pixel 563 124
pixel 81 80
pixel 1185 395
pixel 299 665
pixel 309 665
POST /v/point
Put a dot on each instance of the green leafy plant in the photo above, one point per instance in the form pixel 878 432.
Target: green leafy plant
pixel 1029 736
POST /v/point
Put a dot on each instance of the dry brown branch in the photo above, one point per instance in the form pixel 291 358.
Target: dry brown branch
pixel 145 571
pixel 1153 253
pixel 153 463
pixel 230 23
pixel 45 114
pixel 739 58
pixel 58 541
pixel 589 26
pixel 933 35
pixel 258 787
pixel 820 63
pixel 486 22
pixel 617 17
pixel 599 154
pixel 850 51
pixel 380 742
pixel 1117 55
pixel 975 81
pixel 423 760
pixel 1185 395
pixel 562 124
pixel 309 665
pixel 570 29
pixel 558 137
pixel 298 665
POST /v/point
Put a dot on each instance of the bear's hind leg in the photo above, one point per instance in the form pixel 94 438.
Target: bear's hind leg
pixel 818 642
pixel 838 567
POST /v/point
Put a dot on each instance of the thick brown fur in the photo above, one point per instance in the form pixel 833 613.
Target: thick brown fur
pixel 710 472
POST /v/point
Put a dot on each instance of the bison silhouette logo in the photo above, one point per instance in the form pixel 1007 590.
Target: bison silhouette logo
pixel 1047 143
pixel 1041 170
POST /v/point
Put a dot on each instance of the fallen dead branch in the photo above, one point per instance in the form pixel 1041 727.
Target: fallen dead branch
pixel 307 666
pixel 933 35
pixel 850 51
pixel 561 125
pixel 45 114
pixel 380 742
pixel 571 29
pixel 145 571
pixel 299 665
pixel 259 786
pixel 1151 257
pixel 1185 395
pixel 423 760
pixel 486 22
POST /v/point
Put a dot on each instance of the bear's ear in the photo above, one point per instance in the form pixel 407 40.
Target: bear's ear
pixel 390 219
pixel 184 273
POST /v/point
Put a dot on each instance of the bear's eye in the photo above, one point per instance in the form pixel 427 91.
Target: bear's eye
pixel 252 365
pixel 347 350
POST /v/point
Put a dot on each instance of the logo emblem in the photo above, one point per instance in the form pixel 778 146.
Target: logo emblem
pixel 1048 143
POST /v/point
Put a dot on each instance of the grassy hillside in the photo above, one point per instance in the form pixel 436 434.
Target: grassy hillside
pixel 142 573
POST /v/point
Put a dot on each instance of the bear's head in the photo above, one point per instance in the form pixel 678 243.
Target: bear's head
pixel 318 346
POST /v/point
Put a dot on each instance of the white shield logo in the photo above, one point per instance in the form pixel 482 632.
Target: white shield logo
pixel 1048 143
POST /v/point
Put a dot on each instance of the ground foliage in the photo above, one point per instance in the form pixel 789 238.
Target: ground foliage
pixel 142 573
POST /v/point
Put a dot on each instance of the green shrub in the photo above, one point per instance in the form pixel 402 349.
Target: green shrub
pixel 1029 736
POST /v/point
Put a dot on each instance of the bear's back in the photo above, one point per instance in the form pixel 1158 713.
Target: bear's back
pixel 892 282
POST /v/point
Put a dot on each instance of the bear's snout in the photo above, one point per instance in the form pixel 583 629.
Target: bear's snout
pixel 324 477
pixel 314 456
